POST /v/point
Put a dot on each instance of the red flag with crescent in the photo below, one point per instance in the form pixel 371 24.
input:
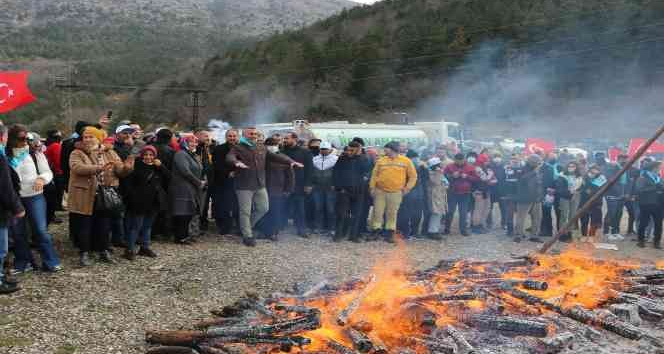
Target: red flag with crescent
pixel 533 145
pixel 14 91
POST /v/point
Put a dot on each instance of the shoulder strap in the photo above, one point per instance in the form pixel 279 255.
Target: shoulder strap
pixel 34 159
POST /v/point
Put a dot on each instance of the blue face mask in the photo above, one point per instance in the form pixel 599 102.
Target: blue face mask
pixel 416 161
pixel 2 150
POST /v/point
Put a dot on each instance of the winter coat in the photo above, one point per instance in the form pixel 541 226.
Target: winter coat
pixel 28 169
pixel 549 173
pixel 302 175
pixel 205 154
pixel 84 178
pixel 461 185
pixel 323 171
pixel 351 173
pixel 507 186
pixel 563 188
pixel 147 195
pixel 256 158
pixel 419 192
pixel 165 154
pixel 280 179
pixel 590 187
pixel 123 150
pixel 186 185
pixel 68 147
pixel 10 203
pixel 222 170
pixel 648 192
pixel 529 189
pixel 392 174
pixel 625 184
pixel 437 192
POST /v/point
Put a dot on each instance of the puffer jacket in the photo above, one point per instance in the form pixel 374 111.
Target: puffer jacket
pixel 323 171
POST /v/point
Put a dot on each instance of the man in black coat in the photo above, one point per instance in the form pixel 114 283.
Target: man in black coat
pixel 303 184
pixel 204 151
pixel 224 199
pixel 350 175
pixel 549 175
pixel 10 207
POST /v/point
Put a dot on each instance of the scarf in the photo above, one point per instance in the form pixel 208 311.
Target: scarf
pixel 247 142
pixel 2 150
pixel 654 177
pixel 598 181
pixel 19 156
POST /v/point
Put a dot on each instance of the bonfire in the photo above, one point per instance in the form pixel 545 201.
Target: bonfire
pixel 533 304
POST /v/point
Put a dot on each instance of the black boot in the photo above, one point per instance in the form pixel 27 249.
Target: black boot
pixel 249 241
pixel 7 288
pixel 389 236
pixel 105 257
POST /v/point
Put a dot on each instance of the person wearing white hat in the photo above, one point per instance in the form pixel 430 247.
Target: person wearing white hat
pixel 437 197
pixel 323 188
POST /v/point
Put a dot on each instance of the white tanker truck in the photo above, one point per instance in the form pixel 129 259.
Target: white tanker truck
pixel 340 133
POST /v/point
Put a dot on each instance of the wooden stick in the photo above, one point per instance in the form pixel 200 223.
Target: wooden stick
pixel 600 193
pixel 344 315
pixel 461 342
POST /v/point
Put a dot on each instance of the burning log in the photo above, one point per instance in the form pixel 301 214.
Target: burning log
pixel 610 323
pixel 174 338
pixel 287 327
pixel 647 307
pixel 211 350
pixel 461 342
pixel 344 315
pixel 171 350
pixel 338 347
pixel 301 310
pixel 314 290
pixel 507 324
pixel 441 297
pixel 378 346
pixel 363 326
pixel 361 342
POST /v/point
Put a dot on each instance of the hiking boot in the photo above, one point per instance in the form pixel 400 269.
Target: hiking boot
pixel 15 271
pixel 129 255
pixel 436 237
pixel 84 259
pixel 535 239
pixel 641 244
pixel 184 241
pixel 146 252
pixel 355 239
pixel 374 235
pixel 10 281
pixel 7 288
pixel 58 268
pixel 389 237
pixel 249 241
pixel 105 257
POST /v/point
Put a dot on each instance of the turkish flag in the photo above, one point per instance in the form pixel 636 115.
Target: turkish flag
pixel 635 145
pixel 535 144
pixel 14 91
pixel 613 153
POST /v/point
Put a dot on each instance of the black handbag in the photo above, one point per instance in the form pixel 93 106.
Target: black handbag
pixel 107 198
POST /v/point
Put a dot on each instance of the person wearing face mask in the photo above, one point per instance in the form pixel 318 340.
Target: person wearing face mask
pixel 461 175
pixel 185 191
pixel 280 182
pixel 617 196
pixel 303 186
pixel 33 172
pixel 314 146
pixel 11 208
pixel 496 165
pixel 250 162
pixel 507 189
pixel 323 194
pixel 437 185
pixel 224 203
pixel 350 175
pixel 650 194
pixel 529 195
pixel 550 172
pixel 592 182
pixel 146 199
pixel 568 194
pixel 93 164
pixel 411 211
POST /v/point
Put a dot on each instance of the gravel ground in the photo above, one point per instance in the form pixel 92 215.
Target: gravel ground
pixel 106 309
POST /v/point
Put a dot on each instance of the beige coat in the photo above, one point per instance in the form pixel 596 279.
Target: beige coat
pixel 437 192
pixel 84 176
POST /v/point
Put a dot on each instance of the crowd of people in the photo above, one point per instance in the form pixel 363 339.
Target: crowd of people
pixel 122 190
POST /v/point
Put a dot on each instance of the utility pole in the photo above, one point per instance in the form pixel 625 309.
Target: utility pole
pixel 65 81
pixel 195 102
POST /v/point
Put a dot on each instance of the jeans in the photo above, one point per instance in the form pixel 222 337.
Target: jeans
pixel 118 230
pixel 535 212
pixel 324 200
pixel 410 215
pixel 633 215
pixel 507 210
pixel 139 226
pixel 35 209
pixel 656 213
pixel 225 206
pixel 298 211
pixel 462 201
pixel 271 224
pixel 349 208
pixel 434 223
pixel 386 207
pixel 205 206
pixel 614 207
pixel 253 206
pixel 4 245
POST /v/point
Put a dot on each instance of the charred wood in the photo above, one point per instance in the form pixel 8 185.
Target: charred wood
pixel 344 315
pixel 506 324
pixel 361 342
pixel 461 342
pixel 171 350
pixel 338 347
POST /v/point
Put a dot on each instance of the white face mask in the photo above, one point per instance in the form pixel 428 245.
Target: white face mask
pixel 273 148
pixel 471 160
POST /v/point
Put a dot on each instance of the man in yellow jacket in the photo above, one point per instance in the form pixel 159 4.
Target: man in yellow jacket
pixel 393 177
